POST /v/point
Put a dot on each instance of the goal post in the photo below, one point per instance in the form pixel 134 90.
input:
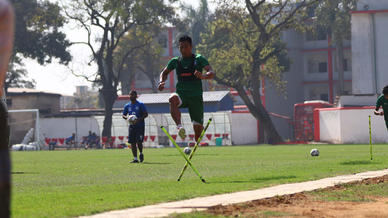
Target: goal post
pixel 23 126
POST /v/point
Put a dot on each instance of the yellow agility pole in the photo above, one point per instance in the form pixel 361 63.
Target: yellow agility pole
pixel 183 154
pixel 195 148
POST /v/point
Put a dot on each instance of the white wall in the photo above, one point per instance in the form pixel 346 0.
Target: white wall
pixel 329 126
pixel 64 127
pixel 351 126
pixel 244 129
pixel 362 55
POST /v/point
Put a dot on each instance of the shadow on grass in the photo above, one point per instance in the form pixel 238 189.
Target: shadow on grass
pixel 156 163
pixel 259 179
pixel 21 173
pixel 359 162
pixel 194 155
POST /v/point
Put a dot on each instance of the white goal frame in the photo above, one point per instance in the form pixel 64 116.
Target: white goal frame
pixel 37 123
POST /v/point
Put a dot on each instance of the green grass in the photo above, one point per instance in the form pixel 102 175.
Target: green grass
pixel 72 183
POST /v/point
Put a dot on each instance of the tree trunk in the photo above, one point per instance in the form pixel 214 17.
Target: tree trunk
pixel 261 114
pixel 109 96
pixel 340 66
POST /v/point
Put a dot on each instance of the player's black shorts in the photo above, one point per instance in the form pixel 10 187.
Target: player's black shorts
pixel 135 134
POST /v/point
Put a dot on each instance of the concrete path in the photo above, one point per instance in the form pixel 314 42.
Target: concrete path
pixel 201 203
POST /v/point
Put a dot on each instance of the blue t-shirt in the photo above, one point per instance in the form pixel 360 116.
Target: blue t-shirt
pixel 137 109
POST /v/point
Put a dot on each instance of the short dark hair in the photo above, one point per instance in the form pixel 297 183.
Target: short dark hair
pixel 133 91
pixel 185 38
pixel 385 90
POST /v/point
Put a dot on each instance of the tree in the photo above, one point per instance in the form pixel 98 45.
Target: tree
pixel 147 59
pixel 16 76
pixel 111 20
pixel 196 20
pixel 243 45
pixel 334 16
pixel 38 36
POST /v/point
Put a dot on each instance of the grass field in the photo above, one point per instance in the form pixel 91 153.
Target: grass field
pixel 71 183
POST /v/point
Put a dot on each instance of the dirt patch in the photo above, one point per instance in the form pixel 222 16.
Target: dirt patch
pixel 305 205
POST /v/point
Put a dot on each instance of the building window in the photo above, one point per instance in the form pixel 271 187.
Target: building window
pixel 317 92
pixel 163 41
pixel 322 67
pixel 317 63
pixel 324 97
pixel 318 33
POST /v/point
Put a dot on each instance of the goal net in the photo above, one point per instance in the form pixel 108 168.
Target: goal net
pixel 25 129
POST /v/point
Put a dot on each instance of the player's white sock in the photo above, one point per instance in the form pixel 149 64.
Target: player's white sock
pixel 135 158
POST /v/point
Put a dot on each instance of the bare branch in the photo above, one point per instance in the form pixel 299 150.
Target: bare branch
pixel 289 18
pixel 276 14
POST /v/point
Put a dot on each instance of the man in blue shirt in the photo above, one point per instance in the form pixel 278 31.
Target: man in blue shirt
pixel 136 130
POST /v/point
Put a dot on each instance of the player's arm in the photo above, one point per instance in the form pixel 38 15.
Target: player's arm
pixel 145 115
pixel 6 42
pixel 378 105
pixel 125 112
pixel 376 112
pixel 163 78
pixel 208 75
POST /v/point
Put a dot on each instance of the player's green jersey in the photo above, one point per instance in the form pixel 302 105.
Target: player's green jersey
pixel 188 84
pixel 383 102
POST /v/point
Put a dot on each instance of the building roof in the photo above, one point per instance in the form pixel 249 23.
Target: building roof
pixel 24 91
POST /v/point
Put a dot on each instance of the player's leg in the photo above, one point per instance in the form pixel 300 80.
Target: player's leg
pixel 196 115
pixel 140 138
pixel 5 185
pixel 176 102
pixel 132 141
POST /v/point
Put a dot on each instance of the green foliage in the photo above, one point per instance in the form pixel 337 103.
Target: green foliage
pixel 38 32
pixel 140 52
pixel 73 183
pixel 106 22
pixel 334 16
pixel 17 75
pixel 196 21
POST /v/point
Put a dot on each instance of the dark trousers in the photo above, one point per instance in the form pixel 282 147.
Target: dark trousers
pixel 5 178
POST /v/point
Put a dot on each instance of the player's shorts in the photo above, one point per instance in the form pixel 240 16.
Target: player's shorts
pixel 135 134
pixel 195 106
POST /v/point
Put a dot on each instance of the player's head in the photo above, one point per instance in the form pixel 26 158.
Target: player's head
pixel 185 46
pixel 385 92
pixel 133 95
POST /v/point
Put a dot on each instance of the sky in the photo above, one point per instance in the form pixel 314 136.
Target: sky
pixel 58 78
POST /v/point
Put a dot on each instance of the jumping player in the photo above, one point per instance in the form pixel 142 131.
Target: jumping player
pixel 188 94
pixel 382 101
pixel 136 130
pixel 6 43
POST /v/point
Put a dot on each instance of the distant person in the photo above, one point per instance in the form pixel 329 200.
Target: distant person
pixel 70 141
pixel 188 94
pixel 6 43
pixel 382 101
pixel 137 129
